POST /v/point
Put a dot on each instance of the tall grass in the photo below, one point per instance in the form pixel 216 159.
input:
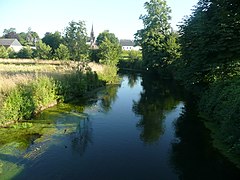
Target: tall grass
pixel 27 88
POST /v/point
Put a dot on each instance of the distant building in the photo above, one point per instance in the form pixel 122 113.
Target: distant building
pixel 92 40
pixel 12 43
pixel 129 45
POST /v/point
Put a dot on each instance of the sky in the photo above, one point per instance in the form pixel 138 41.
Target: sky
pixel 120 17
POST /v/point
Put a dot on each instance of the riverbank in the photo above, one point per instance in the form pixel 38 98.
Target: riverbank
pixel 27 87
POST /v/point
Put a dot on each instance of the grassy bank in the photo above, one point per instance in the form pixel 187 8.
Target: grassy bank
pixel 29 86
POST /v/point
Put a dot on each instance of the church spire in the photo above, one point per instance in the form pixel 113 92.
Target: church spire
pixel 92 34
pixel 92 38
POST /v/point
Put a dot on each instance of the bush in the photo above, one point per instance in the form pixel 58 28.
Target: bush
pixel 25 53
pixel 26 100
pixel 109 75
pixel 220 107
pixel 62 53
pixel 77 84
pixel 3 52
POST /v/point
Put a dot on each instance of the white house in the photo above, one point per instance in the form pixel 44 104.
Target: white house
pixel 129 45
pixel 12 43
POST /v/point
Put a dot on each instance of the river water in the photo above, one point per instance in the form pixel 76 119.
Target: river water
pixel 142 129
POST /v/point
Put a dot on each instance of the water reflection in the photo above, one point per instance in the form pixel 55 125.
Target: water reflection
pixel 132 79
pixel 82 137
pixel 193 156
pixel 155 101
pixel 108 96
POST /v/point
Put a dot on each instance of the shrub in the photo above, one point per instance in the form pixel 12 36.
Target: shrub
pixel 25 52
pixel 62 53
pixel 220 106
pixel 25 100
pixel 3 52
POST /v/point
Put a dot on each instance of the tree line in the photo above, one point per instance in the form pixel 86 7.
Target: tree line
pixel 69 45
pixel 205 56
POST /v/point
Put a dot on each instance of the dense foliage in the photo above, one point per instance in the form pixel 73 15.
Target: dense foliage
pixel 53 40
pixel 131 60
pixel 158 41
pixel 210 61
pixel 220 106
pixel 75 38
pixel 210 42
pixel 23 101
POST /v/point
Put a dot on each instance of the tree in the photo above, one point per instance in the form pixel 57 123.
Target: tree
pixel 3 52
pixel 10 33
pixel 159 45
pixel 107 35
pixel 32 37
pixel 109 53
pixel 75 38
pixel 25 52
pixel 22 38
pixel 62 52
pixel 53 40
pixel 43 51
pixel 210 42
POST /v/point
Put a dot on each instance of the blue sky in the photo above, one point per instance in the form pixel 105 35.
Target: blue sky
pixel 119 16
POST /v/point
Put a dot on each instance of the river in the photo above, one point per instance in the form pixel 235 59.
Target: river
pixel 145 128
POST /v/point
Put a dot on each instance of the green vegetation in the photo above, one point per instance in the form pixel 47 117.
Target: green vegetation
pixel 75 38
pixel 131 60
pixel 158 41
pixel 220 107
pixel 210 60
pixel 207 62
pixel 62 52
pixel 26 89
pixel 5 52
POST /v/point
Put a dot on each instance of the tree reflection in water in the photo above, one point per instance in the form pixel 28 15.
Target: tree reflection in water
pixel 132 79
pixel 155 101
pixel 108 97
pixel 82 137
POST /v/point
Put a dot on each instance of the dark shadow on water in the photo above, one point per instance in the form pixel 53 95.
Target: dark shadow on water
pixel 194 156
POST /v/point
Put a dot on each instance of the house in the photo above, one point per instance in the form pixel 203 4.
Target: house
pixel 129 45
pixel 12 43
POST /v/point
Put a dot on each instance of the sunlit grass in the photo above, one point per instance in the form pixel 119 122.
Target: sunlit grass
pixel 14 72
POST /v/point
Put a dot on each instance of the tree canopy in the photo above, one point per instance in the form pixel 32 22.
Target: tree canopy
pixel 158 41
pixel 109 48
pixel 210 42
pixel 53 40
pixel 107 35
pixel 75 38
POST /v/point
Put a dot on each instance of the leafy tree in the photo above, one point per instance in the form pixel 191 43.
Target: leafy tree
pixel 22 38
pixel 53 40
pixel 107 35
pixel 32 37
pixel 43 51
pixel 3 52
pixel 210 42
pixel 75 38
pixel 10 33
pixel 109 52
pixel 159 45
pixel 25 52
pixel 62 52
